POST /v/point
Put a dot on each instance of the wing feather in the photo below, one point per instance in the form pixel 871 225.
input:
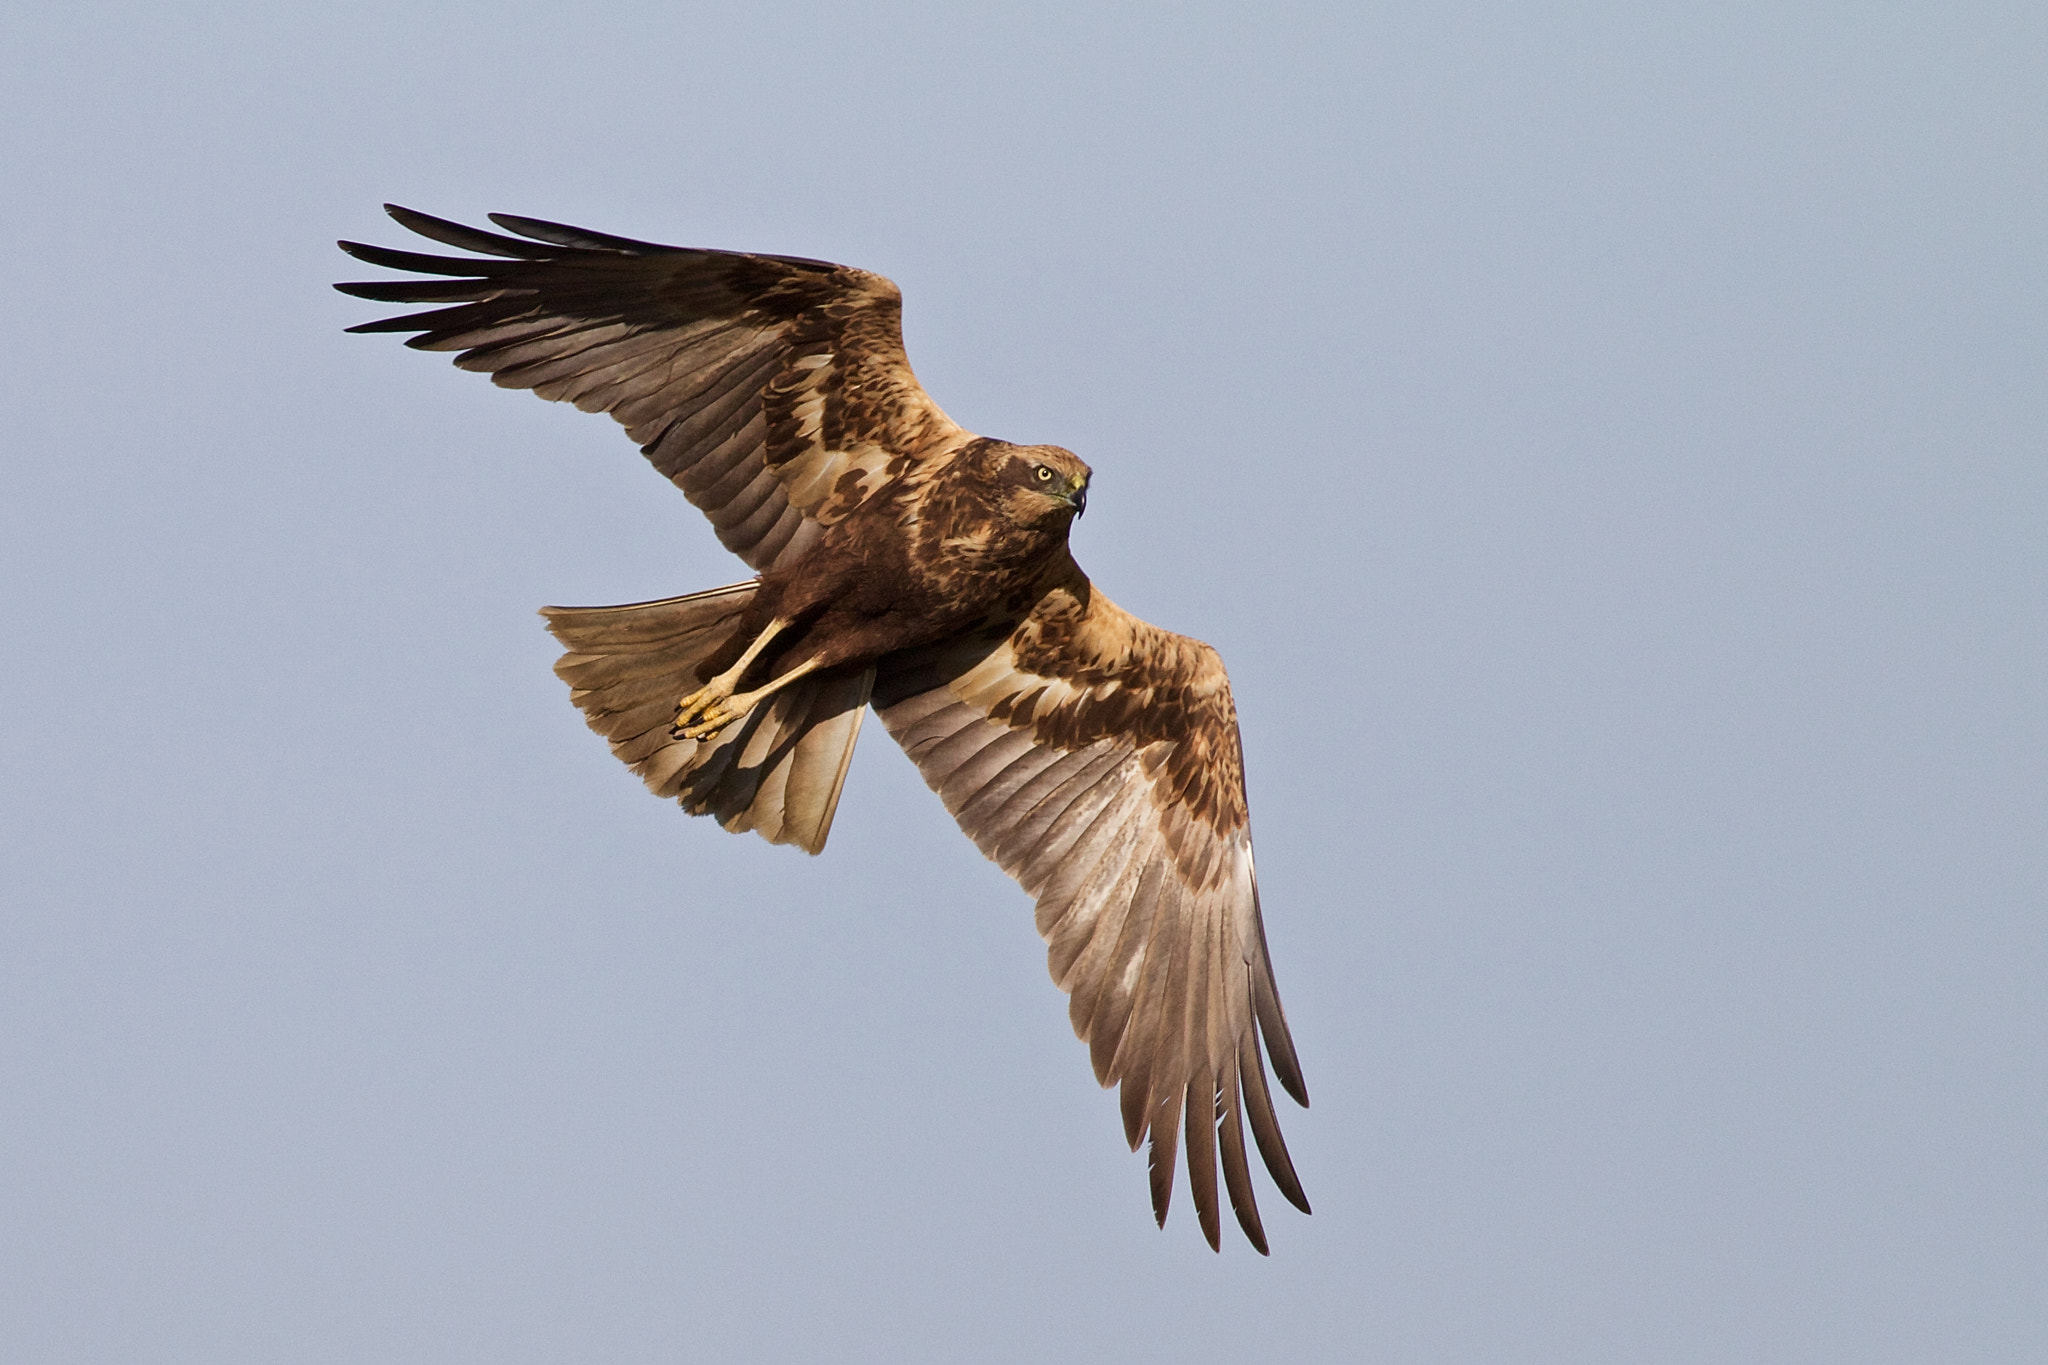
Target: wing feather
pixel 988 763
pixel 1237 1172
pixel 757 384
pixel 1088 929
pixel 1072 896
pixel 1201 1159
pixel 1258 1106
pixel 1096 759
pixel 1033 811
pixel 1072 821
pixel 1128 989
pixel 1025 781
pixel 789 538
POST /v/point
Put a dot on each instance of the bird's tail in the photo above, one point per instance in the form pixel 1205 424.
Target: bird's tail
pixel 776 771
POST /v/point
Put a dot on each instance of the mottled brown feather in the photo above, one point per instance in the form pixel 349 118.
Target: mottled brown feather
pixel 789 371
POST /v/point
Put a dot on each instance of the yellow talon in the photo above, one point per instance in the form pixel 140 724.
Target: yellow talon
pixel 701 714
pixel 713 706
pixel 714 718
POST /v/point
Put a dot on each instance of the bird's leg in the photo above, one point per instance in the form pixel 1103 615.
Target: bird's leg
pixel 693 709
pixel 725 710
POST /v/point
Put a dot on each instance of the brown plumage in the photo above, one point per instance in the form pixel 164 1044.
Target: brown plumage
pixel 907 563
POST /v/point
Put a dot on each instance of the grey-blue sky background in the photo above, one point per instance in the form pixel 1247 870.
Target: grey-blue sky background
pixel 1605 441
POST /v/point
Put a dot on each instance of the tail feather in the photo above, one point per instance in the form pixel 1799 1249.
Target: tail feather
pixel 777 771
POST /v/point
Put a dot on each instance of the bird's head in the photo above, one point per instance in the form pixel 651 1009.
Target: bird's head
pixel 1042 484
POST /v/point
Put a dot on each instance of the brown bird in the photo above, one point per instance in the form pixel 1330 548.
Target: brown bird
pixel 907 563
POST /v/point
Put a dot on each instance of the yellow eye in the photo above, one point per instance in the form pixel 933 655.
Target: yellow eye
pixel 1044 474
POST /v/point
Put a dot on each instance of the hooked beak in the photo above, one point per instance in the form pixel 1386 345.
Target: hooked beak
pixel 1077 494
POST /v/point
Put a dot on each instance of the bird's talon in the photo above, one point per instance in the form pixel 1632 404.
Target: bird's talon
pixel 700 714
pixel 702 722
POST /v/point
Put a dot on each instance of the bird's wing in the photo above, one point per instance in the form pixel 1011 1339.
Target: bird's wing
pixel 773 391
pixel 1096 759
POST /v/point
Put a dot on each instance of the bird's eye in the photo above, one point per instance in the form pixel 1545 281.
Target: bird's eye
pixel 1044 474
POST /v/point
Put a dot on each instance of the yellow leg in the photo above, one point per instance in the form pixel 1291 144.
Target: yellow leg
pixel 720 712
pixel 693 708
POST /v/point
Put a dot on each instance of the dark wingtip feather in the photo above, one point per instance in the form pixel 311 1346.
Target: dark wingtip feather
pixel 357 288
pixel 462 267
pixel 1272 1018
pixel 561 234
pixel 422 291
pixel 1199 1142
pixel 1258 1107
pixel 1237 1175
pixel 584 239
pixel 1279 1043
pixel 463 237
pixel 1131 1100
pixel 1163 1156
pixel 404 322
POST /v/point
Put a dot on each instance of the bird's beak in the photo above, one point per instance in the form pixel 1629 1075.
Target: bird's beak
pixel 1077 494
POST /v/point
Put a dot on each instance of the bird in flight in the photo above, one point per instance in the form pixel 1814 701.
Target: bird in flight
pixel 907 564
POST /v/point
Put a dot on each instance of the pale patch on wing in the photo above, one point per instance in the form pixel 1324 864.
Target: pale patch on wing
pixel 824 481
pixel 827 484
pixel 999 678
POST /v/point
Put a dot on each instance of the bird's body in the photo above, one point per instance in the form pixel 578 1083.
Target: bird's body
pixel 907 563
pixel 964 546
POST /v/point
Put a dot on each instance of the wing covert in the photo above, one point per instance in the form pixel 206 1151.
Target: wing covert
pixel 773 390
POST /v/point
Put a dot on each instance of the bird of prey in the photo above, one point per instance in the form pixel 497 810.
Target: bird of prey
pixel 907 564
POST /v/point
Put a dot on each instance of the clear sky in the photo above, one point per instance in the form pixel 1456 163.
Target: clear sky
pixel 1606 443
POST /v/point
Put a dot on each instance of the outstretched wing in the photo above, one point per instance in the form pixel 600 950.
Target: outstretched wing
pixel 1096 759
pixel 772 390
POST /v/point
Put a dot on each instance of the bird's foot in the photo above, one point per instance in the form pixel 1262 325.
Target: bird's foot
pixel 704 713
